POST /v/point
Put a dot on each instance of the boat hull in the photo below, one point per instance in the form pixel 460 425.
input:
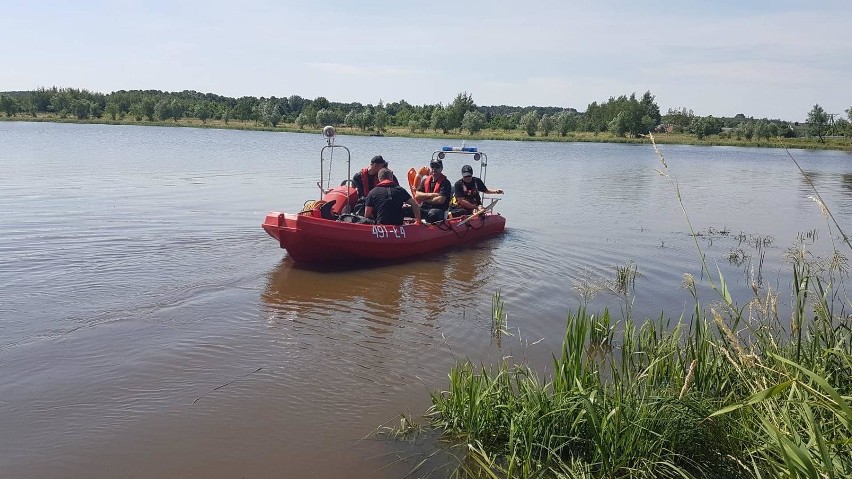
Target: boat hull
pixel 309 239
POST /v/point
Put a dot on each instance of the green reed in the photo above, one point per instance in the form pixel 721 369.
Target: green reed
pixel 499 319
pixel 735 392
pixel 667 401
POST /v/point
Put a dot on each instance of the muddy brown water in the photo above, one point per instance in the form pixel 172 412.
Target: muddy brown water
pixel 150 328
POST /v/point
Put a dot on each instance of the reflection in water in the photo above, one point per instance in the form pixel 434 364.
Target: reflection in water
pixel 381 293
pixel 809 181
pixel 375 307
pixel 826 183
pixel 846 182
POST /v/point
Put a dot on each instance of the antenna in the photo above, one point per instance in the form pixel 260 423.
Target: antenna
pixel 328 132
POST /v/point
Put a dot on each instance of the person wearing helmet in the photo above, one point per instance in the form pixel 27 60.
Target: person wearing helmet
pixel 466 197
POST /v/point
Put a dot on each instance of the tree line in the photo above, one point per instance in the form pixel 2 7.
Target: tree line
pixel 622 116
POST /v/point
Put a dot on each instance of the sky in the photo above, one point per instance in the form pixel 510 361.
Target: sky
pixel 766 59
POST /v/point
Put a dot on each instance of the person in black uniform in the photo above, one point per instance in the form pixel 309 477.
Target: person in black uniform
pixel 385 200
pixel 466 193
pixel 434 193
pixel 366 179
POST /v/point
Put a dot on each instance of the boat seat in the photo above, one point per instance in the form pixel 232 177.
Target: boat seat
pixel 325 210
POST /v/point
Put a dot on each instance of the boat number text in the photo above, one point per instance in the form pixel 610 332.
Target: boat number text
pixel 382 231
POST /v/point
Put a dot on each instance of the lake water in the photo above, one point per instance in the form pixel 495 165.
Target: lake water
pixel 150 328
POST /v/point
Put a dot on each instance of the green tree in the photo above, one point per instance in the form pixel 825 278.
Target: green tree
pixel 295 105
pixel 501 122
pixel 148 106
pixel 746 129
pixel 817 122
pixel 761 130
pixel 364 119
pixel 440 119
pixel 267 112
pixel 8 105
pixel 679 119
pixel 41 99
pixel 301 120
pixel 310 115
pixel 178 109
pixel 462 104
pixel 545 124
pixel 112 110
pixel 473 121
pixel 565 121
pixel 320 102
pixel 82 108
pixel 163 110
pixel 843 126
pixel 380 118
pixel 637 116
pixel 244 108
pixel 326 117
pixel 529 122
pixel 620 125
pixel 27 106
pixel 702 127
pixel 649 113
pixel 204 110
pixel 136 111
pixel 61 103
pixel 351 118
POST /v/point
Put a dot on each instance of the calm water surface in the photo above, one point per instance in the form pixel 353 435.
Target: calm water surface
pixel 150 328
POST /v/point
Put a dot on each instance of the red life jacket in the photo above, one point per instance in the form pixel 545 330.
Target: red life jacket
pixel 427 184
pixel 365 181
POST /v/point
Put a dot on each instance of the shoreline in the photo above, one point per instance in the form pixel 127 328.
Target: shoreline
pixel 832 144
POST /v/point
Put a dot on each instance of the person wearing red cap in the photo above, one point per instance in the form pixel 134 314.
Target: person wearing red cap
pixel 466 193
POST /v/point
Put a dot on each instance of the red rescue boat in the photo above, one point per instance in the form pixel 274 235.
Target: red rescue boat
pixel 326 230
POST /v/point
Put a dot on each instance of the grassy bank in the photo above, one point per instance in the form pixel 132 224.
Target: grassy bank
pixel 720 397
pixel 843 144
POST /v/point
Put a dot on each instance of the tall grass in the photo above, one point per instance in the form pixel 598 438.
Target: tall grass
pixel 734 392
pixel 669 400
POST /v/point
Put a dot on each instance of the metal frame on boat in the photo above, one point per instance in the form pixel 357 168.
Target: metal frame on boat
pixel 326 231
